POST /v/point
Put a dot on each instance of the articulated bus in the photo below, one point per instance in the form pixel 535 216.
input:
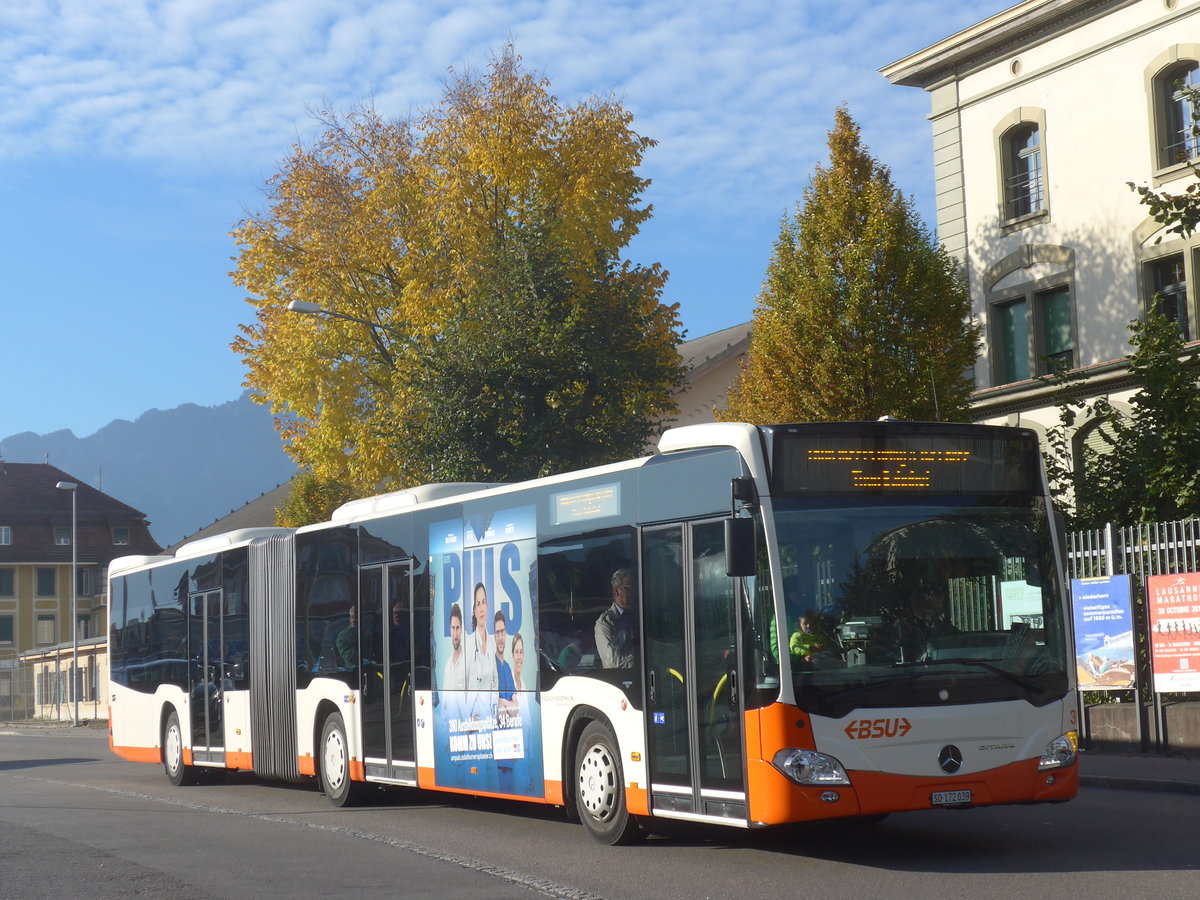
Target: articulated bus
pixel 753 626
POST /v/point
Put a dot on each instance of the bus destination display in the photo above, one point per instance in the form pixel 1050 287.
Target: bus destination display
pixel 939 462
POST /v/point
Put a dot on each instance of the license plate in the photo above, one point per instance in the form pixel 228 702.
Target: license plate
pixel 950 798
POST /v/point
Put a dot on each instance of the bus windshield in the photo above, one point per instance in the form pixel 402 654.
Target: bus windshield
pixel 908 602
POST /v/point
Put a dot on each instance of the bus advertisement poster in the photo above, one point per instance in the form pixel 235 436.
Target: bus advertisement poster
pixel 1173 602
pixel 1104 654
pixel 486 717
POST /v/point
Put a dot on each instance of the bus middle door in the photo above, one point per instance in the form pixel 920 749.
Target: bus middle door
pixel 386 651
pixel 693 713
pixel 207 676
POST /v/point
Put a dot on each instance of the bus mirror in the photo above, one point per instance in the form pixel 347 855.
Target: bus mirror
pixel 743 491
pixel 739 547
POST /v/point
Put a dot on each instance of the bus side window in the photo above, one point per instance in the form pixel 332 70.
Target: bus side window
pixel 575 588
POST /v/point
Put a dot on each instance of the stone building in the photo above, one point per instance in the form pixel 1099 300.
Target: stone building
pixel 1041 116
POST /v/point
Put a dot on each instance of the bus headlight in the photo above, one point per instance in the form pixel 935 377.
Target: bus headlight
pixel 1060 752
pixel 809 767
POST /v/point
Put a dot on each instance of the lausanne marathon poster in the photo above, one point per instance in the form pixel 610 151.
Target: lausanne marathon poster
pixel 486 718
pixel 1104 654
pixel 1174 605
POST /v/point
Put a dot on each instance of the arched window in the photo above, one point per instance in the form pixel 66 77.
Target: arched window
pixel 1024 185
pixel 1176 136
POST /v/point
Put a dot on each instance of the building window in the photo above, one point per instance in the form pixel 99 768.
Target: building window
pixel 5 535
pixel 120 534
pixel 1058 343
pixel 8 582
pixel 47 582
pixel 1176 131
pixel 1024 185
pixel 7 630
pixel 1012 332
pixel 62 535
pixel 46 628
pixel 83 582
pixel 1033 333
pixel 1166 281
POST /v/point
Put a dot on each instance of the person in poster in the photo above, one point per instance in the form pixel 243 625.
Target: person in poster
pixel 482 681
pixel 486 735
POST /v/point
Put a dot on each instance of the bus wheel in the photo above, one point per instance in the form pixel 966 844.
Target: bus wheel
pixel 335 764
pixel 172 754
pixel 600 788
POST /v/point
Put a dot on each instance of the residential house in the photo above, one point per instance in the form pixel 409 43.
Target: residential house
pixel 38 542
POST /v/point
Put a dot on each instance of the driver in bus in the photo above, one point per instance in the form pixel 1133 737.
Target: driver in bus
pixel 615 639
pixel 347 642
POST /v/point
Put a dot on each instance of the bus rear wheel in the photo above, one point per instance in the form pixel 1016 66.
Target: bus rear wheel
pixel 172 754
pixel 335 764
pixel 600 788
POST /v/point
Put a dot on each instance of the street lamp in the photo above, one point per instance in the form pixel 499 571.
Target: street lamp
pixel 314 309
pixel 72 487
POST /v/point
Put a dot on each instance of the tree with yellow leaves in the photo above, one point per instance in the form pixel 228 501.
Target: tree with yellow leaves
pixel 481 323
pixel 861 313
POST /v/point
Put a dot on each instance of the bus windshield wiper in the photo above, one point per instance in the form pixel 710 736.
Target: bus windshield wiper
pixel 1028 683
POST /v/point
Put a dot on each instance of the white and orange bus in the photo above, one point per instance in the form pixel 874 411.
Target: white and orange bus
pixel 753 626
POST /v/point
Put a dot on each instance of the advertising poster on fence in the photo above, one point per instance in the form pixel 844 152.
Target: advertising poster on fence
pixel 1174 605
pixel 1104 657
pixel 486 720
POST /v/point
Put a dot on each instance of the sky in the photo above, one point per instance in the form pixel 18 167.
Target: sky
pixel 134 135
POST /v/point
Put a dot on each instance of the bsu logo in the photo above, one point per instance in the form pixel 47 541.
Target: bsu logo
pixel 866 729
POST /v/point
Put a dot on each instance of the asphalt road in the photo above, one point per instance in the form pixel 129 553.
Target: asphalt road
pixel 77 821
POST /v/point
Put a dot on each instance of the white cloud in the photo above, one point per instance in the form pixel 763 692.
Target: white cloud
pixel 739 95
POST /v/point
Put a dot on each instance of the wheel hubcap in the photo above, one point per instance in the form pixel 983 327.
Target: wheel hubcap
pixel 335 760
pixel 174 749
pixel 598 783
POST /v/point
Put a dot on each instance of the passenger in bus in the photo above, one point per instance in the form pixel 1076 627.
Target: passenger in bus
pixel 347 642
pixel 615 638
pixel 928 621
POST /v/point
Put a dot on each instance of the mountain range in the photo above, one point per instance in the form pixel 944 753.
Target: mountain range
pixel 183 467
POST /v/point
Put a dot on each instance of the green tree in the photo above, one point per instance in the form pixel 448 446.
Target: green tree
pixel 861 314
pixel 526 380
pixel 311 500
pixel 1150 470
pixel 489 327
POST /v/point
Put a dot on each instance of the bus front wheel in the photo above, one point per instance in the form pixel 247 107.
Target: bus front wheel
pixel 600 788
pixel 335 764
pixel 172 754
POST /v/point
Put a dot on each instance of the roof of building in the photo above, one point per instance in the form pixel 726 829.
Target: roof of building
pixel 707 351
pixel 1017 28
pixel 258 513
pixel 32 505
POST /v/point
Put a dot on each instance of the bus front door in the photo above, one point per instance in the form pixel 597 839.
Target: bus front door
pixel 386 650
pixel 206 682
pixel 694 708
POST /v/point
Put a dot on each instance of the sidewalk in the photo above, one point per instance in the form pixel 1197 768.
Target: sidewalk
pixel 1140 772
